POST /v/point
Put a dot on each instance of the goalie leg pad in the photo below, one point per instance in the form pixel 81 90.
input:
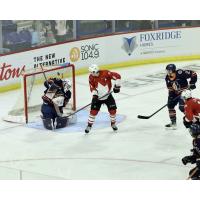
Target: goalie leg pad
pixel 48 112
pixel 61 122
pixel 48 123
pixel 72 119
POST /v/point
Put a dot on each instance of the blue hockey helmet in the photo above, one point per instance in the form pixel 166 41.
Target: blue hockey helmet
pixel 171 68
pixel 194 130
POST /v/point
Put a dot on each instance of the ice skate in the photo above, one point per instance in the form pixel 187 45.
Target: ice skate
pixel 88 129
pixel 114 127
pixel 171 125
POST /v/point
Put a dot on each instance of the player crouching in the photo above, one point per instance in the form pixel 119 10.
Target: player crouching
pixel 56 96
pixel 100 87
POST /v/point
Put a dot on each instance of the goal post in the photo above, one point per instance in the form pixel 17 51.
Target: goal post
pixel 28 104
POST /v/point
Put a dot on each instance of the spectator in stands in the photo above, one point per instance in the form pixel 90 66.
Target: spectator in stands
pixel 62 30
pixel 49 35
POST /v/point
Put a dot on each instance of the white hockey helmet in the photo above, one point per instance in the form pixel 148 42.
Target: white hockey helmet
pixel 94 69
pixel 67 84
pixel 186 94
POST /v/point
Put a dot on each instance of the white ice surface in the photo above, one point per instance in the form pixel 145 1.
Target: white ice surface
pixel 142 149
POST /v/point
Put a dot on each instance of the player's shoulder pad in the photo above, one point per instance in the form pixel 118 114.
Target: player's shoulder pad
pixel 104 71
pixel 91 77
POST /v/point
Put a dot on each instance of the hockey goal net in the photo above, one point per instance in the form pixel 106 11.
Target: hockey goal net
pixel 28 104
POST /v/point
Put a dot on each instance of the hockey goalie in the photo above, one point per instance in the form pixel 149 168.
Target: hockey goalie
pixel 56 96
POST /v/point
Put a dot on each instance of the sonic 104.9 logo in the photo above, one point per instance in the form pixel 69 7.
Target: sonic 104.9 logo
pixel 85 52
pixel 129 45
pixel 74 54
pixel 90 51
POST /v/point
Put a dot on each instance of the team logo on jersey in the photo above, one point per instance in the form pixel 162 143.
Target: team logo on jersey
pixel 74 54
pixel 176 86
pixel 129 45
pixel 179 71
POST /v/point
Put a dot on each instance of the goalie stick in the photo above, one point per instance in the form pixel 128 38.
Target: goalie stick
pixel 147 117
pixel 192 174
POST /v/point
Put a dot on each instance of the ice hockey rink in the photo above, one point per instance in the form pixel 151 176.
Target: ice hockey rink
pixel 142 149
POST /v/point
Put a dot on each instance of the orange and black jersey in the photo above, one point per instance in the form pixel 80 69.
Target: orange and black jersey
pixel 180 82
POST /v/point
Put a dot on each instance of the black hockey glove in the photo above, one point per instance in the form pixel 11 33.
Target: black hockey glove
pixel 95 99
pixel 194 152
pixel 186 124
pixel 192 86
pixel 116 89
pixel 189 159
pixel 198 164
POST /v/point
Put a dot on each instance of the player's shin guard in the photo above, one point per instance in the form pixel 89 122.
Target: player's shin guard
pixel 172 116
pixel 113 119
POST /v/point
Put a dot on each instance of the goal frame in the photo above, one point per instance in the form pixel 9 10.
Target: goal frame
pixel 26 75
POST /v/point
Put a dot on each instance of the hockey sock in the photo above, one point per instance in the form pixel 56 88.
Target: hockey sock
pixel 92 116
pixel 112 116
pixel 172 115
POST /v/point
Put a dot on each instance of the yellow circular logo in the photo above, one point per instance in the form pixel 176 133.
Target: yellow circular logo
pixel 74 54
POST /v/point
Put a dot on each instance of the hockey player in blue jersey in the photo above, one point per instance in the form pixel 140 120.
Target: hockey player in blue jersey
pixel 176 82
pixel 194 158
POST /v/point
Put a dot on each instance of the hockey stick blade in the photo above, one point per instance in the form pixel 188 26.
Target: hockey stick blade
pixel 143 117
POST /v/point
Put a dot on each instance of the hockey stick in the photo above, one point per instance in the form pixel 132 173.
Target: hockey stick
pixel 44 74
pixel 192 174
pixel 147 117
pixel 89 104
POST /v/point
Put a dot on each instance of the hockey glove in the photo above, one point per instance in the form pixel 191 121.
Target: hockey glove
pixel 186 124
pixel 192 86
pixel 189 159
pixel 47 100
pixel 116 89
pixel 198 163
pixel 95 99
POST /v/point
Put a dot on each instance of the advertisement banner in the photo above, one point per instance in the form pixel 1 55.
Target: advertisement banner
pixel 103 51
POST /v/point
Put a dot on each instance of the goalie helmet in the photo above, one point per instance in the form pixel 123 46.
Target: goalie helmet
pixel 67 84
pixel 94 69
pixel 186 94
pixel 194 130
